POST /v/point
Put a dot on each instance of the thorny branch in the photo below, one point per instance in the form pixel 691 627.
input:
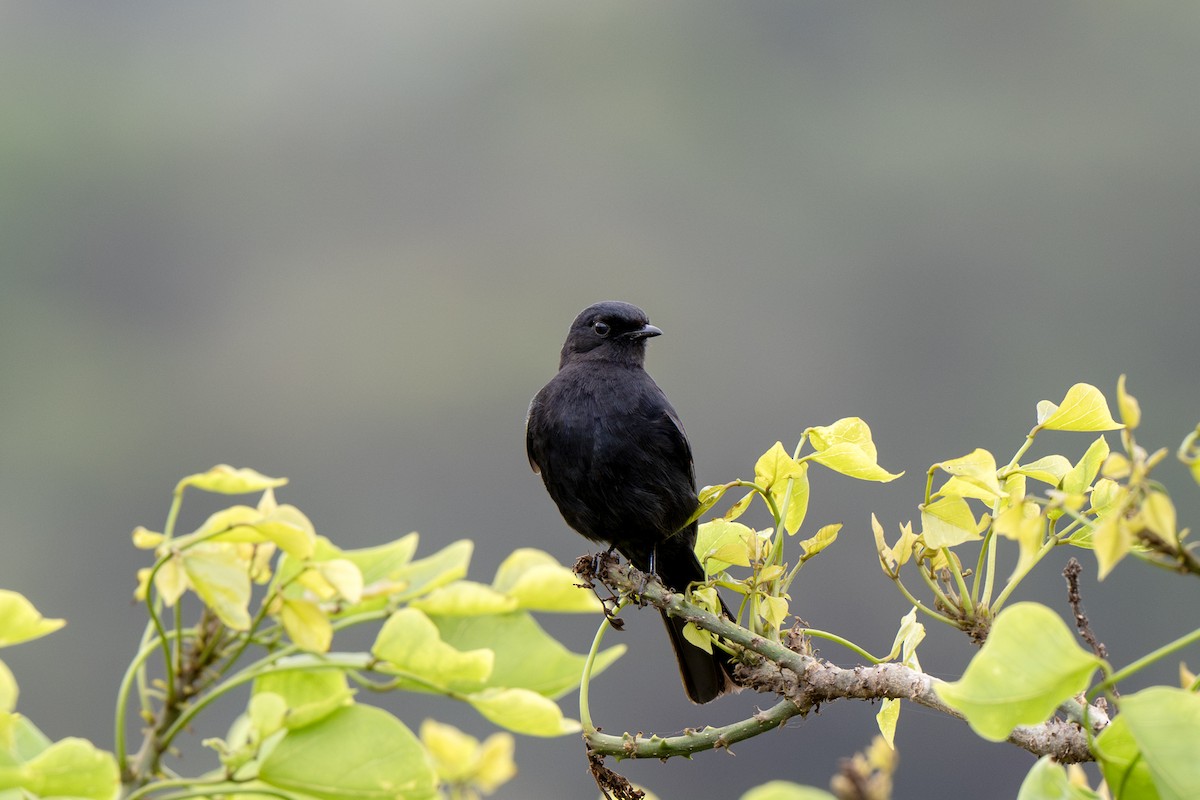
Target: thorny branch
pixel 803 683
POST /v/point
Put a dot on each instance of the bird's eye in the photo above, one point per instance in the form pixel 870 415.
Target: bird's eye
pixel 601 328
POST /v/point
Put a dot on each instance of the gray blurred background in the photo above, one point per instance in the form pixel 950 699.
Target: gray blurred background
pixel 342 243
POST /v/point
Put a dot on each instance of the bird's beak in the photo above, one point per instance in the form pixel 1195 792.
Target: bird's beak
pixel 645 332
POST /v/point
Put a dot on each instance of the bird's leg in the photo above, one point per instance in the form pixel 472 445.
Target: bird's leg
pixel 610 603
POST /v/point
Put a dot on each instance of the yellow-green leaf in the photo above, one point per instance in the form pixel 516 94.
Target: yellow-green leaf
pixel 224 479
pixel 359 752
pixel 1023 523
pixel 537 582
pixel 961 487
pixel 1165 723
pixel 464 598
pixel 409 643
pixel 948 522
pixel 306 625
pixel 1158 513
pixel 1082 474
pixel 221 577
pixel 1083 409
pixel 8 690
pixel 496 764
pixel 145 539
pixel 20 621
pixel 310 694
pixel 846 446
pixel 721 544
pixel 826 536
pixel 1122 763
pixel 1049 469
pixel 1111 539
pixel 170 580
pixel 786 790
pixel 1127 405
pixel 698 637
pixel 72 768
pixel 343 577
pixel 773 610
pixel 1049 781
pixel 886 719
pixel 977 468
pixel 773 471
pixel 739 508
pixel 455 754
pixel 522 711
pixel 887 558
pixel 910 634
pixel 426 574
pixel 1028 666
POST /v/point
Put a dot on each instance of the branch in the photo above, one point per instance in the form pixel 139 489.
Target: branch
pixel 803 682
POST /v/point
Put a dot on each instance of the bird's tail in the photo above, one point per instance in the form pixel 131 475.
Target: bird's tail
pixel 706 676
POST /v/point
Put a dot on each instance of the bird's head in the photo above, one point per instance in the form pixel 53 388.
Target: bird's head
pixel 608 331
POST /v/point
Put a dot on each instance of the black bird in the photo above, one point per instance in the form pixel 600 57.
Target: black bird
pixel 616 462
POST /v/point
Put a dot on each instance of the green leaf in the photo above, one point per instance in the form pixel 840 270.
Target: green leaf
pixel 72 768
pixel 1048 469
pixel 1165 723
pixel 465 598
pixel 886 719
pixel 1127 404
pixel 774 469
pixel 306 625
pixel 221 577
pixel 356 753
pixel 522 711
pixel 20 621
pixel 537 582
pixel 310 695
pixel 721 544
pixel 1083 409
pixel 384 562
pixel 977 468
pixel 27 740
pixel 1158 513
pixel 948 522
pixel 1112 540
pixel 846 447
pixel 826 536
pixel 224 479
pixel 1049 781
pixel 8 689
pixel 785 790
pixel 739 508
pixel 462 760
pixel 1023 523
pixel 266 712
pixel 708 497
pixel 1028 666
pixel 443 567
pixel 525 656
pixel 410 644
pixel 1082 474
pixel 285 526
pixel 1125 771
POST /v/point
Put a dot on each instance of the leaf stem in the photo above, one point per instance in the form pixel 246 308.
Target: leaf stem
pixel 1167 649
pixel 585 712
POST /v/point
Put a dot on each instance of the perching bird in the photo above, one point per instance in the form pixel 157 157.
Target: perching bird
pixel 616 462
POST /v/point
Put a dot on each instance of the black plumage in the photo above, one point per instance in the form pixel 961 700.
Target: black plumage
pixel 616 461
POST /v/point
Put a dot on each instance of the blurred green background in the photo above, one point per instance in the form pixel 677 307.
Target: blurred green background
pixel 342 243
